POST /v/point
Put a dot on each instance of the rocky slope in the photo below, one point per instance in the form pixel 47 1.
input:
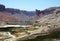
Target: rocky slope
pixel 51 18
pixel 5 17
pixel 49 27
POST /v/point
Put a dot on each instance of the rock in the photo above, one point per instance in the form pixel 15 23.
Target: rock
pixel 6 36
pixel 2 7
pixel 39 13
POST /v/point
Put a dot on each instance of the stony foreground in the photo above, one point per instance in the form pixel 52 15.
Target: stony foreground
pixel 19 34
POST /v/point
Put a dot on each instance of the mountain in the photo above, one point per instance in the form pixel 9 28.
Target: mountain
pixel 47 11
pixel 14 15
pixel 14 11
pixel 52 18
pixel 22 15
pixel 5 17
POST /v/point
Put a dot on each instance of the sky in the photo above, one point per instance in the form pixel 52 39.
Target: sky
pixel 30 5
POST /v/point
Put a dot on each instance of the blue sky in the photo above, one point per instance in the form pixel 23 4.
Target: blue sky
pixel 30 4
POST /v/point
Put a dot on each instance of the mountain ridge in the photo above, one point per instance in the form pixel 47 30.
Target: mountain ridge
pixel 22 15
